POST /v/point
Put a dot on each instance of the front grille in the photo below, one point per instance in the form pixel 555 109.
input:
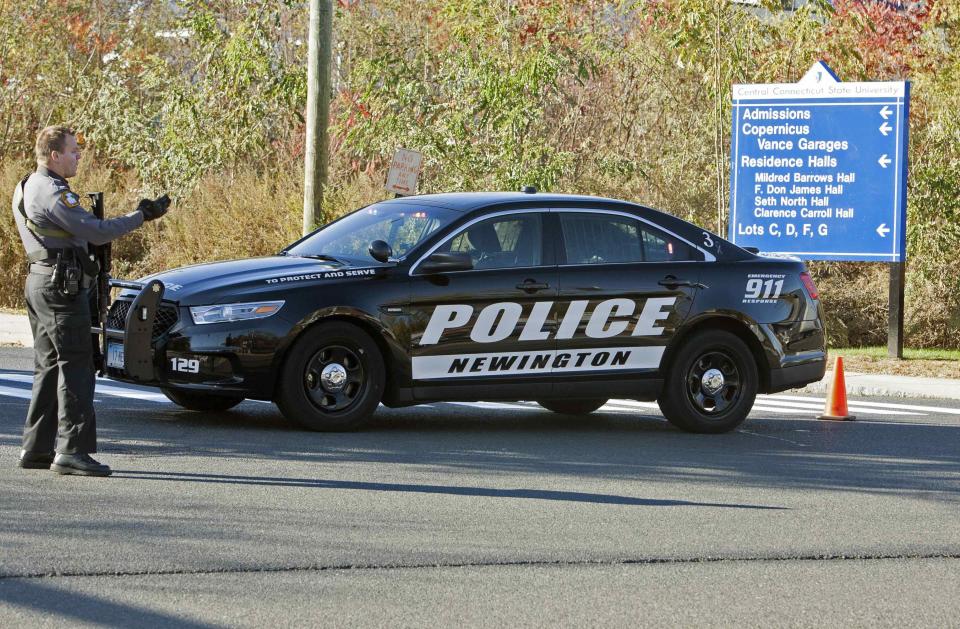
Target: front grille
pixel 166 317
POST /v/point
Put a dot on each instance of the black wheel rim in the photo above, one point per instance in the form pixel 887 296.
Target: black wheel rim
pixel 334 378
pixel 714 383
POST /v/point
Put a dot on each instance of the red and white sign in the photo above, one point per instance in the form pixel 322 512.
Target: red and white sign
pixel 404 172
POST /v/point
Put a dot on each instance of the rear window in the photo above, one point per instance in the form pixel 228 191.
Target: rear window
pixel 596 238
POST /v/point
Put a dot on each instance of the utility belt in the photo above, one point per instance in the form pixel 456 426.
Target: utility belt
pixel 70 270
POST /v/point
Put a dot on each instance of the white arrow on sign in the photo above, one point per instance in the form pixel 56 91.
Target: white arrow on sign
pixel 885 128
pixel 883 230
pixel 884 160
pixel 885 112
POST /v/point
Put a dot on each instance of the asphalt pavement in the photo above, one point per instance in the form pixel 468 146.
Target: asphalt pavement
pixel 486 515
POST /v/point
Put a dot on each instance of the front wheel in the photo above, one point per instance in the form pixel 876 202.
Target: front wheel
pixel 196 401
pixel 572 407
pixel 711 383
pixel 332 379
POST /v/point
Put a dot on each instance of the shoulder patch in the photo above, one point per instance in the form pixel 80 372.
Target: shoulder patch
pixel 70 199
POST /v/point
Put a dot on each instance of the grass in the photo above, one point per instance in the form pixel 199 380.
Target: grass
pixel 926 363
pixel 908 354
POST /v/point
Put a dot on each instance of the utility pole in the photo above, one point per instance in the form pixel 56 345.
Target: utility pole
pixel 318 111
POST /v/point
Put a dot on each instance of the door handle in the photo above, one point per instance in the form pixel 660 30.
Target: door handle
pixel 532 286
pixel 672 282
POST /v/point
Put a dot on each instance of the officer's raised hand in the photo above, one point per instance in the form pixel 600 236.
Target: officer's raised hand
pixel 155 208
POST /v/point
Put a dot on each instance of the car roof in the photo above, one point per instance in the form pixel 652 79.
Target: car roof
pixel 467 201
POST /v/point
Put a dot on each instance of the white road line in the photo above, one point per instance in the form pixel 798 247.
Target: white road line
pixel 783 404
pixel 775 409
pixel 15 392
pixel 891 405
pixel 494 405
pixel 131 393
pixel 775 406
pixel 121 392
pixel 767 405
pixel 854 407
pixel 16 377
pixel 633 404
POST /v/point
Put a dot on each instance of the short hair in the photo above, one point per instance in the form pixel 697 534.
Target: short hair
pixel 51 139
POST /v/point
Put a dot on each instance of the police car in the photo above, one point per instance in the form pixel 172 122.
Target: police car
pixel 566 300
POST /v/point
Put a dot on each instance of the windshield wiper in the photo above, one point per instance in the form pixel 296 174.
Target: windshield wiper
pixel 324 257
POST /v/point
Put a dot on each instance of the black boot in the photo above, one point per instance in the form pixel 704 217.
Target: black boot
pixel 35 460
pixel 80 464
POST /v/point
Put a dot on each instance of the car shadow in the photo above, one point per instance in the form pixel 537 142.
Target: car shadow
pixel 875 457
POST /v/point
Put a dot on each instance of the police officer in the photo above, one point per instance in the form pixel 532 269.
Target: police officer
pixel 60 431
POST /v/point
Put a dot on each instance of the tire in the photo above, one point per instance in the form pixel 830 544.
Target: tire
pixel 332 379
pixel 572 407
pixel 201 401
pixel 710 384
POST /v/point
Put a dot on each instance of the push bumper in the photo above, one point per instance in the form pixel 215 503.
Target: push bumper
pixel 138 358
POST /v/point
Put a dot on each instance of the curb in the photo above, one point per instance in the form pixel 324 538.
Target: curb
pixel 874 385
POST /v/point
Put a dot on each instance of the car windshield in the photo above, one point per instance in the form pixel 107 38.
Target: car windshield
pixel 402 226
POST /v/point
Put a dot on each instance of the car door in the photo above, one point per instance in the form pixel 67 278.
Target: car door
pixel 625 287
pixel 486 333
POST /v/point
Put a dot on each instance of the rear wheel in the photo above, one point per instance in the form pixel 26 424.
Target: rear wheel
pixel 572 407
pixel 711 383
pixel 197 401
pixel 332 379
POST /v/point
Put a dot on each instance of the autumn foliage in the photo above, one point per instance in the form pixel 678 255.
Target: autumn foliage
pixel 627 99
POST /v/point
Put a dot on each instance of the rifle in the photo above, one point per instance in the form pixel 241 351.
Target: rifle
pixel 100 299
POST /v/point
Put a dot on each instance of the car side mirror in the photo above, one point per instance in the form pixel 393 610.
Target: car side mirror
pixel 380 250
pixel 445 262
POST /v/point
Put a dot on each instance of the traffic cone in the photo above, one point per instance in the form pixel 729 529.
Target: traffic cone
pixel 836 406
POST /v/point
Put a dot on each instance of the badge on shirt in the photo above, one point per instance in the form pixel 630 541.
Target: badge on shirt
pixel 69 198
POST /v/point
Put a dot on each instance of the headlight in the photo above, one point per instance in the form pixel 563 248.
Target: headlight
pixel 234 312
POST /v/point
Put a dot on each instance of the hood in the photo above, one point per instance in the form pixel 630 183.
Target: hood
pixel 253 278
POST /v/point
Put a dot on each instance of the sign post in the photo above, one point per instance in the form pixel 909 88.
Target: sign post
pixel 819 171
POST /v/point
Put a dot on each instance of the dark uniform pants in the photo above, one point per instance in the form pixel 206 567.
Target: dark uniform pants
pixel 61 415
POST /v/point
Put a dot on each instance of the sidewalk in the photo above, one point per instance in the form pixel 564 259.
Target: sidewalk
pixel 15 330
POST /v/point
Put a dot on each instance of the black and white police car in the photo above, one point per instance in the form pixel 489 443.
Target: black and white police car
pixel 566 300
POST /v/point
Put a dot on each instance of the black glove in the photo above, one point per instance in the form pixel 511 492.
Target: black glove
pixel 154 209
pixel 163 202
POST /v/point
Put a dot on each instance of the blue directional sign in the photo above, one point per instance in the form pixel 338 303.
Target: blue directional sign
pixel 819 168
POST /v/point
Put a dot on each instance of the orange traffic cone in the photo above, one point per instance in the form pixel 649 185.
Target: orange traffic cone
pixel 836 406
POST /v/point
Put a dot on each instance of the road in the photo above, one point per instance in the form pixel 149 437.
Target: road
pixel 486 515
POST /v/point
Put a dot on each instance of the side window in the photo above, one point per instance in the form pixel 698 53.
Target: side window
pixel 600 238
pixel 661 247
pixel 501 242
pixel 609 239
